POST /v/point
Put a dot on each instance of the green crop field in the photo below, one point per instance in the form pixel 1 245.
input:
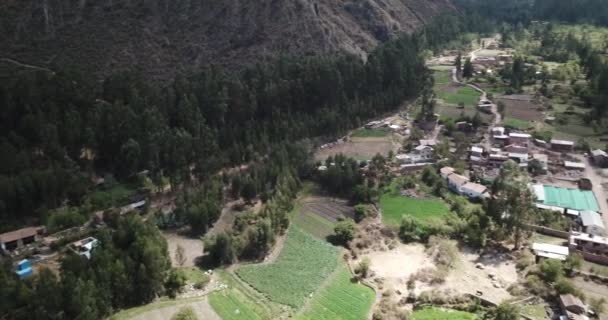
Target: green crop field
pixel 394 207
pixel 442 77
pixel 436 314
pixel 342 299
pixel 371 133
pixel 466 95
pixel 238 302
pixel 302 266
pixel 517 123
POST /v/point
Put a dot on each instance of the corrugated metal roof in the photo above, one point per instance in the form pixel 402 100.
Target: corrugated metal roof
pixel 591 218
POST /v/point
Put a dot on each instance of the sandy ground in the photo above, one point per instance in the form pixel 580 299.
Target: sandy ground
pixel 398 264
pixel 193 248
pixel 593 290
pixel 395 266
pixel 202 308
pixel 467 278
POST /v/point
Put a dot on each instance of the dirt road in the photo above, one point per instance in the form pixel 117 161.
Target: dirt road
pixel 487 142
pixel 598 190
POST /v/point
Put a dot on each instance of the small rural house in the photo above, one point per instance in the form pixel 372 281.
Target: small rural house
pixel 600 158
pixel 588 243
pixel 592 223
pixel 520 138
pixel 570 165
pixel 572 306
pixel 562 145
pixel 456 181
pixel 446 171
pixel 84 247
pixel 550 251
pixel 474 190
pixel 521 158
pixel 17 239
pixel 476 151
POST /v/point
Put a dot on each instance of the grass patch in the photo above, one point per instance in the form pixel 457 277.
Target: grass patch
pixel 516 123
pixel 534 311
pixel 302 266
pixel 371 133
pixel 113 195
pixel 442 77
pixel 342 299
pixel 394 207
pixel 436 314
pixel 194 274
pixel 466 95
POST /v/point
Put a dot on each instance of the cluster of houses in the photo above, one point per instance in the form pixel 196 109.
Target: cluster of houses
pixel 462 185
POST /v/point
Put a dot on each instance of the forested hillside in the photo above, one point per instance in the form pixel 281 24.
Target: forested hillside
pixel 162 38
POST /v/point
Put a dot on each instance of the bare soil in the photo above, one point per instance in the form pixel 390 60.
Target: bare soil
pixel 593 290
pixel 328 208
pixel 359 148
pixel 522 107
pixel 202 308
pixel 193 248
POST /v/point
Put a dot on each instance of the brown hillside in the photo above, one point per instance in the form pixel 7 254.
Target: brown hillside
pixel 164 37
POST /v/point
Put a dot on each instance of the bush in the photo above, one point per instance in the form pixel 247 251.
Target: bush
pixel 564 286
pixel 525 260
pixel 174 283
pixel 361 212
pixel 344 231
pixel 551 270
pixel 185 313
pixel 363 267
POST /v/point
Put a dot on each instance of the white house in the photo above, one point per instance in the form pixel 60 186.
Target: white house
pixel 85 246
pixel 474 190
pixel 456 181
pixel 476 151
pixel 592 223
pixel 550 251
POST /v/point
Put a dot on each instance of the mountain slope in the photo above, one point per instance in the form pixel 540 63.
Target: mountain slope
pixel 165 37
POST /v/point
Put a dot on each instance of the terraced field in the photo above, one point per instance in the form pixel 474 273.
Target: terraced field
pixel 318 216
pixel 302 266
pixel 436 314
pixel 342 299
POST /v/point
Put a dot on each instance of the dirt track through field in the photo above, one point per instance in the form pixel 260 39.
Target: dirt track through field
pixel 202 308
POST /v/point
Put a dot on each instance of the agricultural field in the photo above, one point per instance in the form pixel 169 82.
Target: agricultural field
pixel 361 149
pixel 517 123
pixel 394 207
pixel 319 215
pixel 342 299
pixel 304 263
pixel 371 133
pixel 436 313
pixel 466 95
pixel 521 107
pixel 238 302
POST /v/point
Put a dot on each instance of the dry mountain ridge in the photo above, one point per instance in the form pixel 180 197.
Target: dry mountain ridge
pixel 165 37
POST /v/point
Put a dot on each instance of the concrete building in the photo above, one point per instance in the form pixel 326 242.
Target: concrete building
pixel 456 181
pixel 84 247
pixel 521 158
pixel 588 243
pixel 592 223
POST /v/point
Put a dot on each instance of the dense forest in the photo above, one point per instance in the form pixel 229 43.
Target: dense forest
pixel 60 130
